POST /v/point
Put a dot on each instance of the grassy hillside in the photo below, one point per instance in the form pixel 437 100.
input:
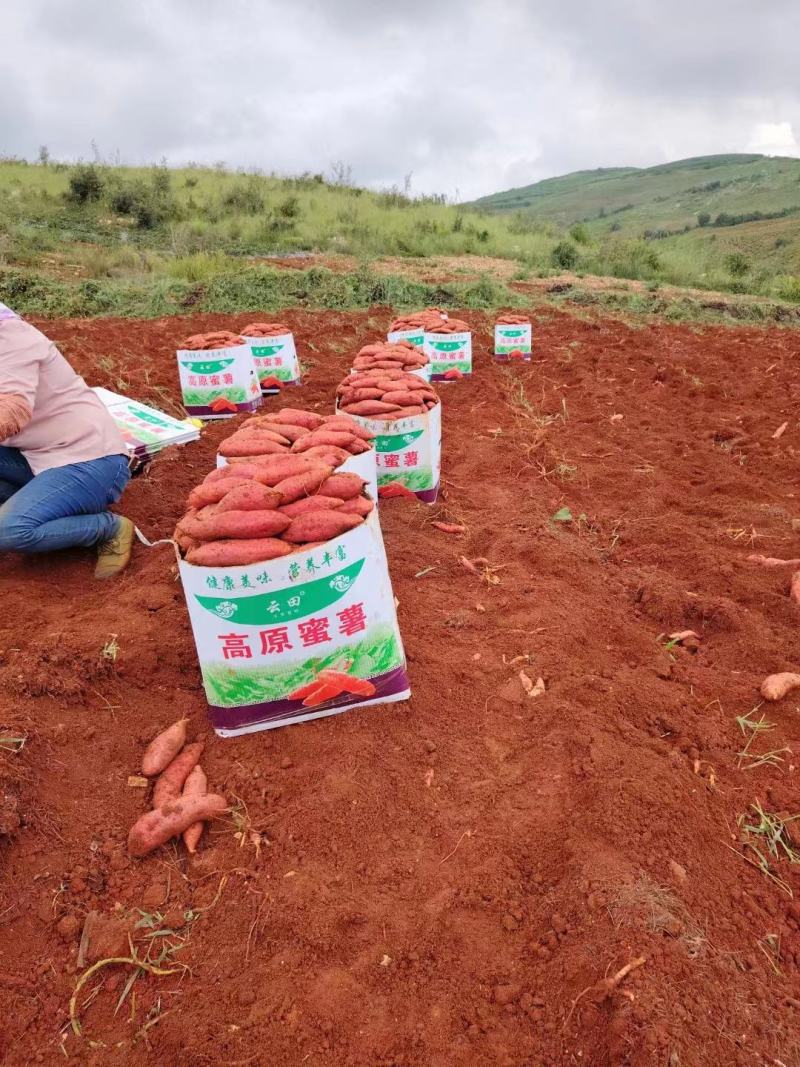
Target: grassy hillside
pixel 725 222
pixel 93 239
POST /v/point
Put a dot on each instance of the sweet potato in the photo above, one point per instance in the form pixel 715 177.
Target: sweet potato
pixel 237 553
pixel 357 505
pixel 273 469
pixel 343 484
pixel 170 782
pixel 295 417
pixel 244 525
pixel 369 408
pixel 776 686
pixel 339 438
pixel 794 587
pixel 344 422
pixel 249 445
pixel 287 431
pixel 402 398
pixel 320 526
pixel 252 496
pixel 330 455
pixel 196 785
pixel 362 393
pixel 772 561
pixel 163 749
pixel 347 682
pixel 301 484
pixel 213 492
pixel 316 502
pixel 155 828
pixel 243 469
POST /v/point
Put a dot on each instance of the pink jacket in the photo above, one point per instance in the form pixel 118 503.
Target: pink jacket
pixel 47 411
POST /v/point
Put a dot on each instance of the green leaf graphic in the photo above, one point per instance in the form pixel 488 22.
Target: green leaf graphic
pixel 266 350
pixel 284 605
pixel 394 442
pixel 208 366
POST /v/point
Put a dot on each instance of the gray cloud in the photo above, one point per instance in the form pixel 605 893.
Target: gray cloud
pixel 471 96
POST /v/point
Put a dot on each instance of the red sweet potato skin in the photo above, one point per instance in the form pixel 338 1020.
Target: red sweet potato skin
pixel 357 505
pixel 273 469
pixel 196 785
pixel 343 484
pixel 286 430
pixel 249 445
pixel 252 496
pixel 317 502
pixel 295 417
pixel 213 492
pixel 164 747
pixel 247 525
pixel 170 782
pixel 320 526
pixel 341 439
pixel 301 484
pixel 155 828
pixel 237 553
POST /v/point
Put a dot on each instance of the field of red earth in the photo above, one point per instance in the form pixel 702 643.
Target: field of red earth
pixel 449 880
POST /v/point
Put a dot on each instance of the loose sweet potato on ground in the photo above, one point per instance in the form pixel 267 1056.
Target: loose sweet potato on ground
pixel 196 785
pixel 170 782
pixel 776 686
pixel 155 828
pixel 164 748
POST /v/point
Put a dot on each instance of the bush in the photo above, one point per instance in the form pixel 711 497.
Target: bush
pixel 245 198
pixel 85 184
pixel 564 255
pixel 579 234
pixel 737 264
pixel 703 218
pixel 289 208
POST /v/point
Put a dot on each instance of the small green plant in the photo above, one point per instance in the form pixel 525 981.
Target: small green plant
pixel 562 515
pixel 85 184
pixel 765 835
pixel 752 728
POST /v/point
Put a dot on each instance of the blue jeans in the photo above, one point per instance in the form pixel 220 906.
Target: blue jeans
pixel 62 507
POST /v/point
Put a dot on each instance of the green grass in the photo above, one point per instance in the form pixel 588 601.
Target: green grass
pixel 230 687
pixel 154 241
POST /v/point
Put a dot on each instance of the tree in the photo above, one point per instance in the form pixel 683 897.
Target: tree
pixel 44 155
pixel 703 218
pixel 737 263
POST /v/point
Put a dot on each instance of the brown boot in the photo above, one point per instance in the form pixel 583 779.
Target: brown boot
pixel 114 555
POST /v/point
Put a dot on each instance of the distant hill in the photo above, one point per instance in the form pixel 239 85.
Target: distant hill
pixel 666 197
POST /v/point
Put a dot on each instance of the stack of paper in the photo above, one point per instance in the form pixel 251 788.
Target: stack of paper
pixel 146 431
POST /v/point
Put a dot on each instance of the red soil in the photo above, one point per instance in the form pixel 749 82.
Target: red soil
pixel 445 881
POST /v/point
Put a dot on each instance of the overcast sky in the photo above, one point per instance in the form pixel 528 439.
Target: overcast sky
pixel 470 96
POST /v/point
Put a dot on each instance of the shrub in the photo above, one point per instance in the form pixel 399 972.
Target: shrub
pixel 737 264
pixel 703 218
pixel 579 234
pixel 564 255
pixel 289 208
pixel 85 184
pixel 246 198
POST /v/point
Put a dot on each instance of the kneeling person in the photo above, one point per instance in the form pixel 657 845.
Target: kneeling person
pixel 62 458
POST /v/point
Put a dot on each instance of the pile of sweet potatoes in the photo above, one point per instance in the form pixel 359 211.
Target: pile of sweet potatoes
pixel 271 506
pixel 507 319
pixel 265 329
pixel 445 326
pixel 385 393
pixel 181 801
pixel 201 342
pixel 331 438
pixel 390 355
pixel 415 321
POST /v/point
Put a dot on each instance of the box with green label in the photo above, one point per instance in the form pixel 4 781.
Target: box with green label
pixel 311 634
pixel 276 361
pixel 218 383
pixel 513 341
pixel 408 454
pixel 450 355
